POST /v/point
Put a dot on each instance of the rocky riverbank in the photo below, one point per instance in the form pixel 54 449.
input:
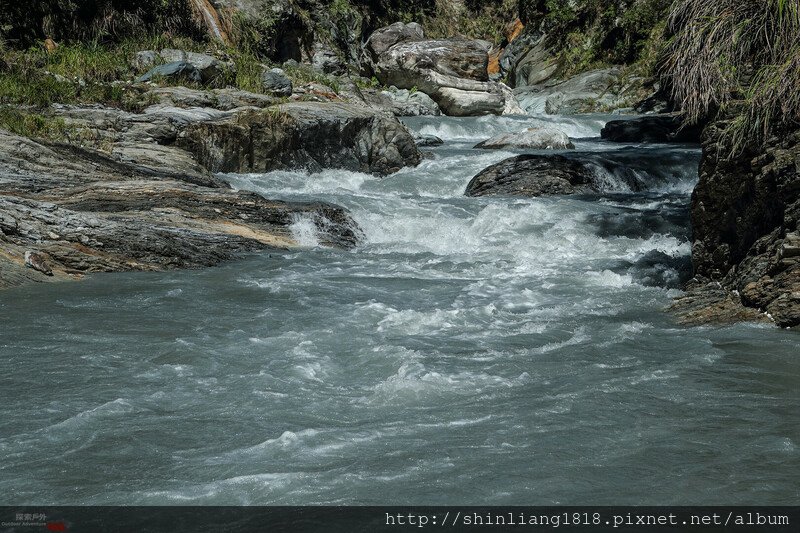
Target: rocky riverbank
pixel 136 191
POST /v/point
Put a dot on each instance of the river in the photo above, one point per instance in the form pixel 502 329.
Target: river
pixel 468 351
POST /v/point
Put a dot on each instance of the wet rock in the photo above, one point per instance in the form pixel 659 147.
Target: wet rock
pixel 651 128
pixel 303 135
pixel 275 81
pixel 533 138
pixel 533 175
pixel 427 140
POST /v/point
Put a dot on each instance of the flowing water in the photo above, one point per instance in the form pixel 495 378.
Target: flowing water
pixel 469 351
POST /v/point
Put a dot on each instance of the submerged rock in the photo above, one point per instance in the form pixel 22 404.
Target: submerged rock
pixel 651 128
pixel 533 138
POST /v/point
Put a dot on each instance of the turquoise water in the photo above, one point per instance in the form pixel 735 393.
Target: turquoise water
pixel 469 351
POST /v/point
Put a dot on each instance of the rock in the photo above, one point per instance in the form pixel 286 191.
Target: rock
pixel 66 211
pixel 327 61
pixel 745 217
pixel 384 38
pixel 527 60
pixel 651 128
pixel 303 135
pixel 587 92
pixel 38 262
pixel 146 59
pixel 405 103
pixel 177 70
pixel 212 70
pixel 427 140
pixel 533 138
pixel 460 103
pixel 222 99
pixel 626 170
pixel 276 82
pixel 532 175
pixel 403 64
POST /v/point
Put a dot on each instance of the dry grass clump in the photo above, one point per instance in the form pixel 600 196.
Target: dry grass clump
pixel 739 59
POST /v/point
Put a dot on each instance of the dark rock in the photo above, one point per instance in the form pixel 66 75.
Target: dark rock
pixel 181 70
pixel 746 216
pixel 532 175
pixel 651 128
pixel 303 135
pixel 427 140
pixel 276 82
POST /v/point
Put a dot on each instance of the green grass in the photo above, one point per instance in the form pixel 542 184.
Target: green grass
pixel 31 124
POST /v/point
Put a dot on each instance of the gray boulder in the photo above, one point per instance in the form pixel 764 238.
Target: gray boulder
pixel 405 63
pixel 276 81
pixel 590 91
pixel 327 61
pixel 177 70
pixel 407 103
pixel 532 138
pixel 384 38
pixel 308 135
pixel 212 70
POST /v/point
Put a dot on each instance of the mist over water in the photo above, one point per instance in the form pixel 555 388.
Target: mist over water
pixel 468 351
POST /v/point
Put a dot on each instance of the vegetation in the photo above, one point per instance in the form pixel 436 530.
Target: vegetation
pixel 739 60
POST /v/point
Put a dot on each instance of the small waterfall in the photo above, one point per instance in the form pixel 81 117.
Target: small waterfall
pixel 211 19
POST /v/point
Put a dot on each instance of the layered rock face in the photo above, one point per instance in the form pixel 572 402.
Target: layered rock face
pixel 67 211
pixel 746 249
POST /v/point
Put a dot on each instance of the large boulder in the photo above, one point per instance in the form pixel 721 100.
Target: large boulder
pixel 651 128
pixel 626 170
pixel 407 103
pixel 453 72
pixel 307 135
pixel 532 138
pixel 402 64
pixel 384 38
